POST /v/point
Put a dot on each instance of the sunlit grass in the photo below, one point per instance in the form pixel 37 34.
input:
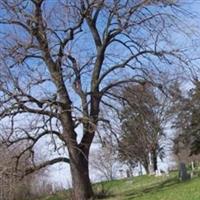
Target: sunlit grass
pixel 147 188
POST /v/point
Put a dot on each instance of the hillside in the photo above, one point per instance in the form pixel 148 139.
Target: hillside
pixel 145 188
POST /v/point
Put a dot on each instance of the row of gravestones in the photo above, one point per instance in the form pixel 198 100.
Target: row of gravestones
pixel 183 174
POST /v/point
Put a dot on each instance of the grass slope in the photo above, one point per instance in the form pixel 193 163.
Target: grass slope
pixel 147 188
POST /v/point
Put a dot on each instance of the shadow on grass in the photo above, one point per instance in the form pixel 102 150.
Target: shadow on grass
pixel 153 188
pixel 102 192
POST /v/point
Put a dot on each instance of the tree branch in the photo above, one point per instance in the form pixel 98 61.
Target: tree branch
pixel 45 164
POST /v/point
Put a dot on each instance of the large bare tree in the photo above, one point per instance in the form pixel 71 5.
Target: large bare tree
pixel 60 60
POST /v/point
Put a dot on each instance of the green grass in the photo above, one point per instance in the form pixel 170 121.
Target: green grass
pixel 57 196
pixel 148 188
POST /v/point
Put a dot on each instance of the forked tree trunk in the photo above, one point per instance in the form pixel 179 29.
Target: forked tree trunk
pixel 82 188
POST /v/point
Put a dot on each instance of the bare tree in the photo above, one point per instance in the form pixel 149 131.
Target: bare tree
pixel 104 161
pixel 60 60
pixel 13 183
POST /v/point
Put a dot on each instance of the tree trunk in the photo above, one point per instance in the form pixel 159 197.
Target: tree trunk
pixel 146 167
pixel 82 188
pixel 154 161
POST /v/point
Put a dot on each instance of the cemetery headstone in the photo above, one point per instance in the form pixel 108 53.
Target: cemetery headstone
pixel 183 175
pixel 158 172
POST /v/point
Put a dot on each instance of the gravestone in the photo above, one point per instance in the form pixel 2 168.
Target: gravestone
pixel 121 171
pixel 183 175
pixel 128 174
pixel 158 172
pixel 151 171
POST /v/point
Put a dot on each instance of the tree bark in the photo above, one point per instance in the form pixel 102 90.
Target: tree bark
pixel 146 167
pixel 154 161
pixel 82 188
pixel 79 160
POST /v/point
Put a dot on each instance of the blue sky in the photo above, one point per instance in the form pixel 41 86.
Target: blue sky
pixel 85 47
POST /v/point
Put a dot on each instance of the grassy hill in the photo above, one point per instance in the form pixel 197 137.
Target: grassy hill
pixel 145 188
